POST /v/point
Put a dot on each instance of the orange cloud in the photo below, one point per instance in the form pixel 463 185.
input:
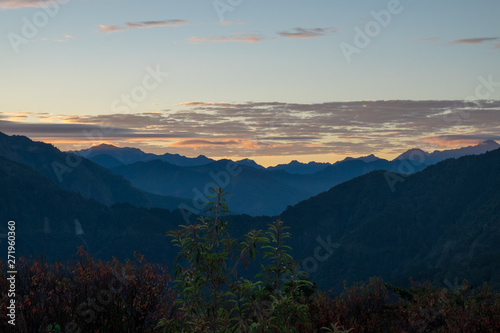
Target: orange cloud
pixel 141 25
pixel 196 103
pixel 474 41
pixel 66 38
pixel 231 22
pixel 457 140
pixel 15 4
pixel 195 143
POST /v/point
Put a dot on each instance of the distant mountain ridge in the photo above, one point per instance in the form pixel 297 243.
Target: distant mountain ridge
pixel 111 156
pixel 129 155
pixel 155 183
pixel 251 191
pixel 296 167
pixel 258 190
pixel 79 174
pixel 441 155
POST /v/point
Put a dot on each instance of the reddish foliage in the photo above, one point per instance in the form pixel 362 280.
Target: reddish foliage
pixel 90 295
pixel 96 296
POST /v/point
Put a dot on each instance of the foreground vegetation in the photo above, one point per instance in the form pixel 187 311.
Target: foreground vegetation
pixel 212 292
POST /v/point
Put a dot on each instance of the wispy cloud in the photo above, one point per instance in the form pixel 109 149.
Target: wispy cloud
pixel 460 140
pixel 15 4
pixel 475 40
pixel 196 103
pixel 236 38
pixel 223 22
pixel 196 143
pixel 307 33
pixel 140 25
pixel 276 129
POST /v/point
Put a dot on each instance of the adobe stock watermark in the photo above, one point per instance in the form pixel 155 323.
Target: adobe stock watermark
pixel 320 254
pixel 483 91
pixel 220 179
pixel 224 6
pixel 31 26
pixel 421 318
pixel 89 309
pixel 363 36
pixel 454 287
pixel 123 104
pixel 406 168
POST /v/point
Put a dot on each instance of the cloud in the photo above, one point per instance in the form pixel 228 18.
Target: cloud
pixel 474 41
pixel 65 39
pixel 307 33
pixel 460 140
pixel 195 143
pixel 141 25
pixel 223 22
pixel 196 103
pixel 43 129
pixel 237 38
pixel 16 4
pixel 274 128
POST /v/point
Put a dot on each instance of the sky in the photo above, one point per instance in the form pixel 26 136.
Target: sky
pixel 273 81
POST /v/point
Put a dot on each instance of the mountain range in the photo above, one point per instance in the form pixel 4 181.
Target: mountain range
pixel 111 156
pixel 441 224
pixel 71 172
pixel 256 190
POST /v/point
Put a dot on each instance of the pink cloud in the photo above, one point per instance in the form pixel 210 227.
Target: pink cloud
pixel 15 4
pixel 231 22
pixel 196 103
pixel 458 140
pixel 194 143
pixel 141 25
pixel 474 41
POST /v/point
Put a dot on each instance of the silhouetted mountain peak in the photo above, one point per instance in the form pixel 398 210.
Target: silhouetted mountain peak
pixel 369 158
pixel 481 148
pixel 366 159
pixel 104 146
pixel 130 155
pixel 250 163
pixel 296 167
pixel 490 143
pixel 411 154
